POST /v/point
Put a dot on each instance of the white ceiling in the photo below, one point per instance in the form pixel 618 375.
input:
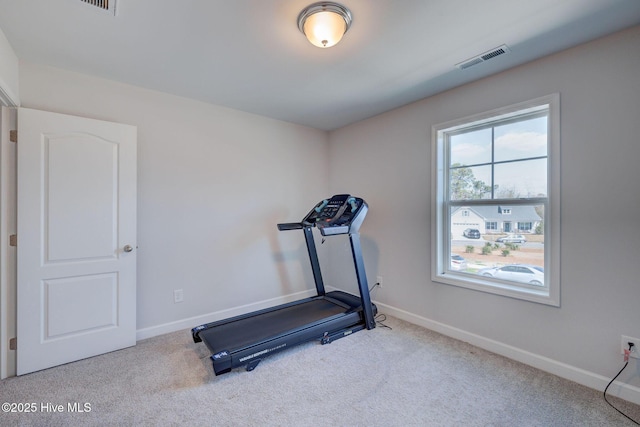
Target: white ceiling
pixel 249 55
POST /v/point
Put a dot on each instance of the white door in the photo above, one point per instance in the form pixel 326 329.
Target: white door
pixel 76 238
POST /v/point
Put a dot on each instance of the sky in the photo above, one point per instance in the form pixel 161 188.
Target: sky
pixel 516 144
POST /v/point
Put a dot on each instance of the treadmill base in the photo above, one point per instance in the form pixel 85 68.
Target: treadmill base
pixel 233 342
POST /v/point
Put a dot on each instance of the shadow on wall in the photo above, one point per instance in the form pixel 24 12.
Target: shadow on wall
pixel 340 270
pixel 336 262
pixel 371 255
pixel 283 258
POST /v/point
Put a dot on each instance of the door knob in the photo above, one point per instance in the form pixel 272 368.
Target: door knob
pixel 128 248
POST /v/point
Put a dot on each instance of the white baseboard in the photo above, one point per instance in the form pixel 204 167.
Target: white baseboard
pixel 192 322
pixel 580 376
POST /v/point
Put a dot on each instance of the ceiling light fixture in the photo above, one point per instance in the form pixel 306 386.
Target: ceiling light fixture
pixel 324 23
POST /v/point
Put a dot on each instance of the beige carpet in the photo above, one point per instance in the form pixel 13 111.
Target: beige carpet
pixel 408 376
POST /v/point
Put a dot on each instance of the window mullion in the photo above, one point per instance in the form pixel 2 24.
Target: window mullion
pixel 493 161
pixel 497 202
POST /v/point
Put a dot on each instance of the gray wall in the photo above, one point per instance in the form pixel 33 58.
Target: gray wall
pixel 387 160
pixel 212 185
pixel 9 93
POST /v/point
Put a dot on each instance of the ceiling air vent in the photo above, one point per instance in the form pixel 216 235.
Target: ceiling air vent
pixel 106 5
pixel 500 50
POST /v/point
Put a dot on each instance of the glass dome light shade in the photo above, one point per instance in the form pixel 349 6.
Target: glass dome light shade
pixel 324 29
pixel 324 23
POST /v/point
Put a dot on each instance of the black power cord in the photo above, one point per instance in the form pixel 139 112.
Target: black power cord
pixel 380 318
pixel 614 378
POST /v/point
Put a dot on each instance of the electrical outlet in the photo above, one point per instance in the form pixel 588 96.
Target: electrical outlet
pixel 379 280
pixel 635 350
pixel 178 296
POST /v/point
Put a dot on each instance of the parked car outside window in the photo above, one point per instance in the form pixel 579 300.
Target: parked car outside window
pixel 512 238
pixel 458 263
pixel 471 233
pixel 524 273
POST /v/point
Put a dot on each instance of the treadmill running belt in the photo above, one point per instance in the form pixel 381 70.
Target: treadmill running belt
pixel 248 331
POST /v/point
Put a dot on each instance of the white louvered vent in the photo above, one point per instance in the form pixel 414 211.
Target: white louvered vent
pixel 106 5
pixel 479 59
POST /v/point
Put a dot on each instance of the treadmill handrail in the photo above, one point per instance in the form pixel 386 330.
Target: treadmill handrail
pixel 290 226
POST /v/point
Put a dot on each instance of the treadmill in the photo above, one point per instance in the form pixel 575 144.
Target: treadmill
pixel 244 340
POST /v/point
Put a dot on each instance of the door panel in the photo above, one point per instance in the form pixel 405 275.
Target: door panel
pixel 81 214
pixel 99 310
pixel 76 212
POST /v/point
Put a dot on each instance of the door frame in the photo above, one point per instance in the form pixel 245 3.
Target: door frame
pixel 8 225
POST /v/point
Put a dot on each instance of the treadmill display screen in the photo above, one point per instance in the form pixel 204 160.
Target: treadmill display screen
pixel 341 214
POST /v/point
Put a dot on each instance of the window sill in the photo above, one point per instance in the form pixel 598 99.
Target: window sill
pixel 477 283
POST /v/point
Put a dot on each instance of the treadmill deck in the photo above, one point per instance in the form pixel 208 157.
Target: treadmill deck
pixel 248 331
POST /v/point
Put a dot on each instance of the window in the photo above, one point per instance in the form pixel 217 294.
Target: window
pixel 525 226
pixel 503 167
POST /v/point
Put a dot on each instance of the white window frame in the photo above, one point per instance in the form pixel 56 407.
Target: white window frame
pixel 441 221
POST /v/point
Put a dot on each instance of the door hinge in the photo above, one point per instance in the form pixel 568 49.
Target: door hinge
pixel 13 343
pixel 13 135
pixel 13 240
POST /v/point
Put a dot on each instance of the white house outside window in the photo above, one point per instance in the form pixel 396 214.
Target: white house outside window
pixel 499 172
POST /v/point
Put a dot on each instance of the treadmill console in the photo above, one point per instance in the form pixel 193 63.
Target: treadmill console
pixel 341 214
